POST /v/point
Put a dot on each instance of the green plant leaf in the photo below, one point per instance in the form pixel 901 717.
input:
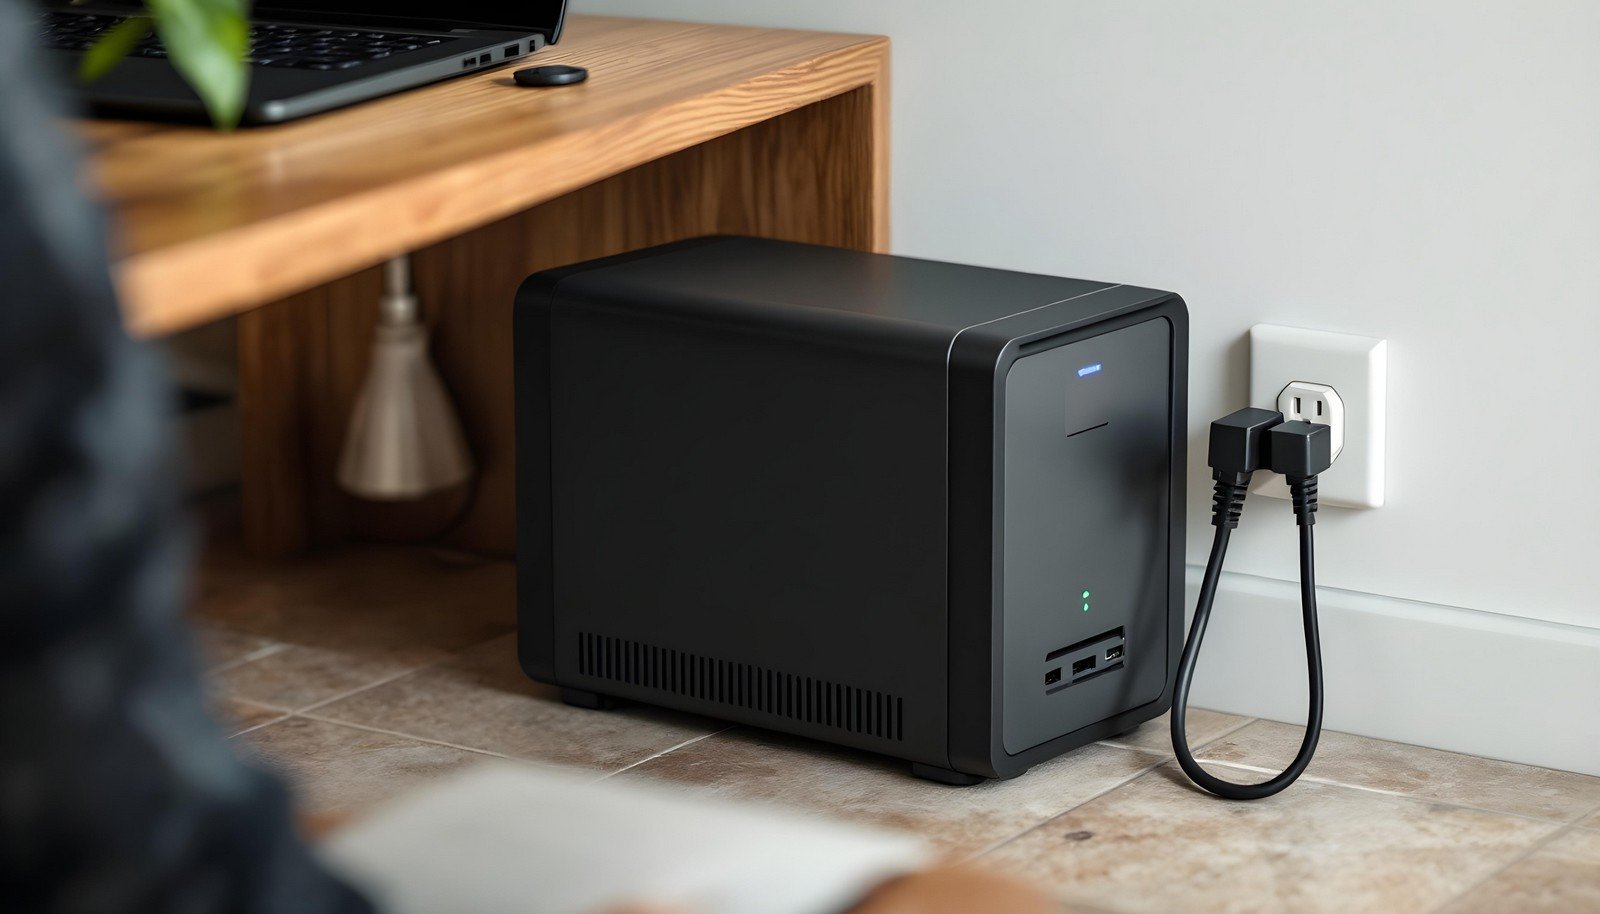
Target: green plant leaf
pixel 207 41
pixel 112 47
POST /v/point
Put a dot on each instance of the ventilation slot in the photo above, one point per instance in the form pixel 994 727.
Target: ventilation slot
pixel 742 685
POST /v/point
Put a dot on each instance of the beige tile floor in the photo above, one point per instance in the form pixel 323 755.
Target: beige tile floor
pixel 367 673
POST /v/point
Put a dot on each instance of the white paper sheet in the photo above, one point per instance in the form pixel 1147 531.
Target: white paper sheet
pixel 509 839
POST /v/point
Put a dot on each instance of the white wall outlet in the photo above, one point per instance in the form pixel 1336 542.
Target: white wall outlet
pixel 1317 403
pixel 1298 372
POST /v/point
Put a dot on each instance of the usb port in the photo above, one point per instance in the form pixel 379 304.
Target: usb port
pixel 511 51
pixel 1083 666
pixel 1053 677
pixel 1113 653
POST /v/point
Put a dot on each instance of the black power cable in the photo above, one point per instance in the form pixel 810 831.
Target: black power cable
pixel 1241 443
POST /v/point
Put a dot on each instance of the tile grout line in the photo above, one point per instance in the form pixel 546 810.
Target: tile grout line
pixel 1051 818
pixel 490 752
pixel 282 716
pixel 1162 759
pixel 1529 852
pixel 1559 827
pixel 260 653
pixel 1576 823
pixel 1228 732
pixel 269 650
pixel 1328 782
pixel 1405 745
pixel 664 752
pixel 1210 742
pixel 286 713
pixel 412 736
pixel 306 712
pixel 322 703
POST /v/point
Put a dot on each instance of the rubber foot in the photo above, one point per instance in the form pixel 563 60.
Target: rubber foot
pixel 945 775
pixel 593 701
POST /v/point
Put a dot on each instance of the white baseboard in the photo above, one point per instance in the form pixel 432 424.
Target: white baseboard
pixel 1458 679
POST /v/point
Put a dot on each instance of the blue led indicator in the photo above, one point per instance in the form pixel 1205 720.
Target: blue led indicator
pixel 1087 370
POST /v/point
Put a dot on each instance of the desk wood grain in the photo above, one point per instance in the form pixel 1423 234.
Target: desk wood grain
pixel 682 130
pixel 210 224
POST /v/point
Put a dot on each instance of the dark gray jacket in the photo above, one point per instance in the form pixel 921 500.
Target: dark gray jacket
pixel 116 792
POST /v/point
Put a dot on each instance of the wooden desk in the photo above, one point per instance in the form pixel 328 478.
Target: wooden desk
pixel 682 130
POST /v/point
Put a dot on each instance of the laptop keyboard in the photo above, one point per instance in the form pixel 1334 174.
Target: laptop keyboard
pixel 271 44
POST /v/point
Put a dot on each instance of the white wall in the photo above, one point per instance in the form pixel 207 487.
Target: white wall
pixel 1427 172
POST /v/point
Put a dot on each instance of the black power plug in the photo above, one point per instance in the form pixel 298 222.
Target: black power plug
pixel 1238 444
pixel 1299 449
pixel 1237 449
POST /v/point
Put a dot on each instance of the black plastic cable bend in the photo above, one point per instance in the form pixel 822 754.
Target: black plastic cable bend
pixel 1304 492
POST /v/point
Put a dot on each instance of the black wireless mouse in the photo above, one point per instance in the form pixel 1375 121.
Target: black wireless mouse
pixel 555 75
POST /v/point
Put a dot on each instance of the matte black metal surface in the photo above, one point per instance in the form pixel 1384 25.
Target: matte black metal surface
pixel 743 496
pixel 756 280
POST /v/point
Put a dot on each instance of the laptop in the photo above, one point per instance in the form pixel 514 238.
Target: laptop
pixel 308 57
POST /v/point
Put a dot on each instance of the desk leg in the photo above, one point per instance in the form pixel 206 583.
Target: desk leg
pixel 817 174
pixel 301 362
pixel 271 404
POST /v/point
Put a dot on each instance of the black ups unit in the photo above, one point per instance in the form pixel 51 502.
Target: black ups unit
pixel 927 510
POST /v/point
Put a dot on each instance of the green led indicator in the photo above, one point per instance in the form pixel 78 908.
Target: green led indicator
pixel 1086 601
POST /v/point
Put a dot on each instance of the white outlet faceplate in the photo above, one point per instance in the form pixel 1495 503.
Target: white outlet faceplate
pixel 1356 367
